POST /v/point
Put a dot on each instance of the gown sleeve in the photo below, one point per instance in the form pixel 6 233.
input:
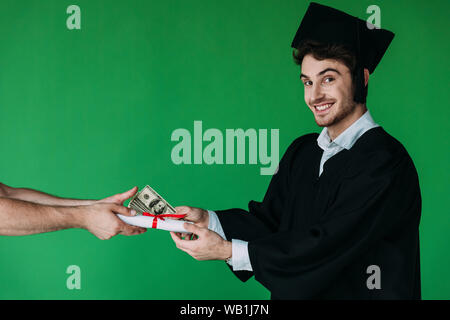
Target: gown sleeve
pixel 263 218
pixel 370 203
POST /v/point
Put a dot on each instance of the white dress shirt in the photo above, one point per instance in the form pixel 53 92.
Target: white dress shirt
pixel 240 259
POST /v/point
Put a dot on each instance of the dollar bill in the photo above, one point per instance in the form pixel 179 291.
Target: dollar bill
pixel 148 200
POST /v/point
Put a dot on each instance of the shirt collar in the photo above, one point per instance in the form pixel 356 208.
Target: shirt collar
pixel 347 138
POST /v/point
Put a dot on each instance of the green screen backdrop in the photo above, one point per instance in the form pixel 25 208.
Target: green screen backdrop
pixel 89 112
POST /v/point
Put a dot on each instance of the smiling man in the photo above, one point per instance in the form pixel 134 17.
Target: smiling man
pixel 340 219
pixel 327 84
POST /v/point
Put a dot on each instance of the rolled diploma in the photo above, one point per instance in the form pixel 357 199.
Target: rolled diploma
pixel 146 222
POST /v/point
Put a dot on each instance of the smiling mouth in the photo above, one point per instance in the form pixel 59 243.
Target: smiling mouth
pixel 323 107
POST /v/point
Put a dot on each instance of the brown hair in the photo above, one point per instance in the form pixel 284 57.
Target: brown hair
pixel 338 52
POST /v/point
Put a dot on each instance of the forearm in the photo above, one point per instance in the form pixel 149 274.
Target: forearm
pixel 39 197
pixel 19 217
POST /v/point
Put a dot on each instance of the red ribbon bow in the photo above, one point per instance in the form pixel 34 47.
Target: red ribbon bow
pixel 161 216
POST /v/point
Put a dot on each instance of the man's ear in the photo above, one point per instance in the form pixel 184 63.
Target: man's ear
pixel 366 77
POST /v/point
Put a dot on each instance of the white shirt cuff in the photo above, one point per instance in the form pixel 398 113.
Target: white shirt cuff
pixel 240 259
pixel 214 224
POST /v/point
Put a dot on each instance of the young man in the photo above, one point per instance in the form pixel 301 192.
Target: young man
pixel 340 219
pixel 25 211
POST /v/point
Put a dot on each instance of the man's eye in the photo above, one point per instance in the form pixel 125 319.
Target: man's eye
pixel 307 83
pixel 328 79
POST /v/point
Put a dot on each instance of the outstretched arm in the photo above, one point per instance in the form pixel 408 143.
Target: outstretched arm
pixel 40 197
pixel 31 195
pixel 19 217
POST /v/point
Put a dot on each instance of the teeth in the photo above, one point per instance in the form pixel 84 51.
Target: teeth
pixel 323 107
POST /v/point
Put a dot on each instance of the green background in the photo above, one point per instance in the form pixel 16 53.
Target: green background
pixel 89 113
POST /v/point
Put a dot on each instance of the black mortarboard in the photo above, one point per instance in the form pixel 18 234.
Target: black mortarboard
pixel 327 25
pixel 330 26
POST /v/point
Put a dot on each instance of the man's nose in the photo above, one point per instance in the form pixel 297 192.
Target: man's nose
pixel 316 93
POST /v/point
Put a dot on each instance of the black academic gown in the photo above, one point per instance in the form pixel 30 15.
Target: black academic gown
pixel 315 237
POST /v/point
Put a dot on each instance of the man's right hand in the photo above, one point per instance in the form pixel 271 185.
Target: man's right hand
pixel 100 219
pixel 198 216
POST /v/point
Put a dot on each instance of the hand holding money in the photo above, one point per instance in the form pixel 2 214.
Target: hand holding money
pixel 153 212
pixel 100 220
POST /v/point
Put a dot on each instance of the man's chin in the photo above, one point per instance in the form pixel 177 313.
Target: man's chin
pixel 321 122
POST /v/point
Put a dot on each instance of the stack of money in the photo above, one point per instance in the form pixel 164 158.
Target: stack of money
pixel 148 200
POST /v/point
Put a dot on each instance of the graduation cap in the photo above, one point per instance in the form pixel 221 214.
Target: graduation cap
pixel 330 26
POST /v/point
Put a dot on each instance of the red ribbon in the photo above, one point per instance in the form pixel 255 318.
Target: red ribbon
pixel 161 216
